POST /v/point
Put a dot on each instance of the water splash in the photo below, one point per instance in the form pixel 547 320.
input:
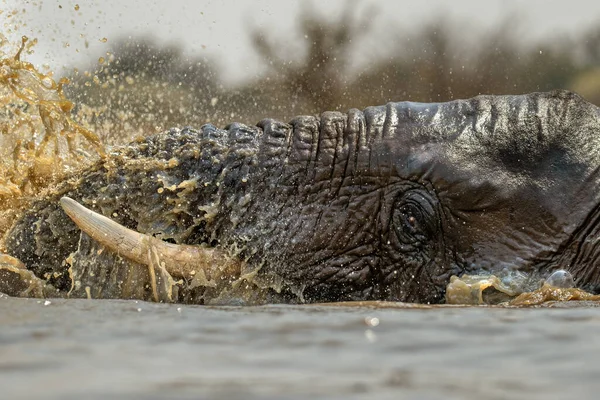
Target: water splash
pixel 39 140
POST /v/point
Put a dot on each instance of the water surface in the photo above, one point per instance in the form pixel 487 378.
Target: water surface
pixel 95 349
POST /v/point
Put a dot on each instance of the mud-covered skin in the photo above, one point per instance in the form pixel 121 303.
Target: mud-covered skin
pixel 384 204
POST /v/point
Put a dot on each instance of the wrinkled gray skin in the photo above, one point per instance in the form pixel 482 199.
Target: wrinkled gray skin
pixel 381 204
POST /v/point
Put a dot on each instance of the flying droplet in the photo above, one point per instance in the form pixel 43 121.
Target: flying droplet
pixel 561 279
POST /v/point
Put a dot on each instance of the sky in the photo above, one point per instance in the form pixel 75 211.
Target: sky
pixel 71 33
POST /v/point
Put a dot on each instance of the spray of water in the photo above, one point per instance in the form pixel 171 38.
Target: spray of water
pixel 40 142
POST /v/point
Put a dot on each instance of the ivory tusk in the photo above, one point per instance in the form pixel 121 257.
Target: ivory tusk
pixel 181 261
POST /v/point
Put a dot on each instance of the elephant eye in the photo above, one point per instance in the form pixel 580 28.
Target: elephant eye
pixel 414 218
pixel 411 219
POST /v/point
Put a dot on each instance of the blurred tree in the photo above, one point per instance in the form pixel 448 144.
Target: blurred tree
pixel 589 47
pixel 587 50
pixel 436 65
pixel 317 78
pixel 143 87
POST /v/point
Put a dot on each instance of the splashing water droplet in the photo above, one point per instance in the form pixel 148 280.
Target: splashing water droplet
pixel 561 279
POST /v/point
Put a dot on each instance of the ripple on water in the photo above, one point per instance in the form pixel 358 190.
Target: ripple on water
pixel 294 352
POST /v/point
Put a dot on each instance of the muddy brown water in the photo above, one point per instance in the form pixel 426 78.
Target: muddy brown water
pixel 96 349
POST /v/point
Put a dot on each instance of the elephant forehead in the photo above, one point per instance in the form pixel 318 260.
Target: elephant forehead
pixel 544 150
